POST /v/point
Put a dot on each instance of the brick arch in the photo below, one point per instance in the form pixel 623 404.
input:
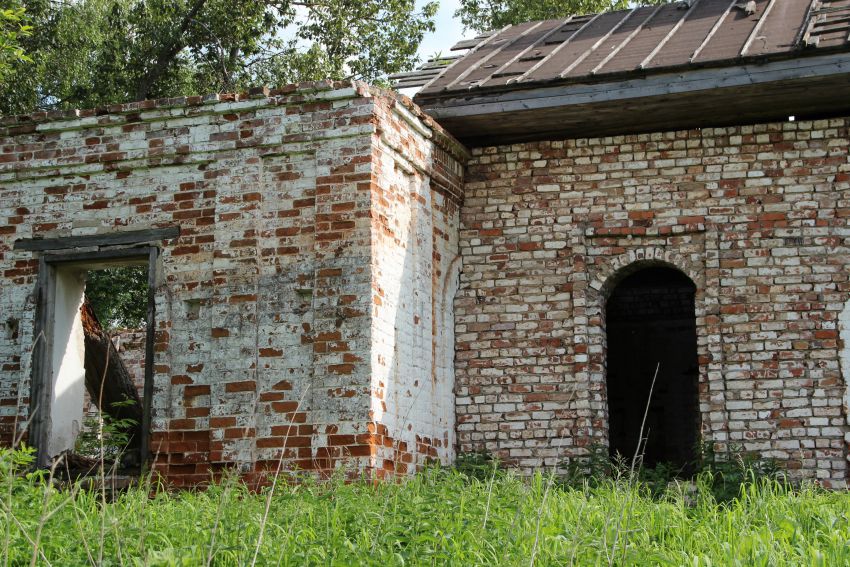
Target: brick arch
pixel 611 272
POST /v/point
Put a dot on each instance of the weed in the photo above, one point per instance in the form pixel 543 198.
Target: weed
pixel 478 465
pixel 437 517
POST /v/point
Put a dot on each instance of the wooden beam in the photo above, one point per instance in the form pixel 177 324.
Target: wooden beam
pixel 39 409
pixel 753 104
pixel 98 240
pixel 150 339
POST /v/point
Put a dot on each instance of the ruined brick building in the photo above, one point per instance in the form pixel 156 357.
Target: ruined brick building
pixel 341 278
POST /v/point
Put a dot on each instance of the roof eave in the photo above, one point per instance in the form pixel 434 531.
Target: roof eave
pixel 752 91
pixel 431 98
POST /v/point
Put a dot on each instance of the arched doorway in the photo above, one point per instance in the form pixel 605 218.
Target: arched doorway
pixel 651 323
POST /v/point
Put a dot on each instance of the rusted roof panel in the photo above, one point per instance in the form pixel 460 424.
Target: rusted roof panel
pixel 455 76
pixel 550 38
pixel 775 35
pixel 660 25
pixel 695 33
pixel 576 48
pixel 505 53
pixel 694 27
pixel 618 41
pixel 734 28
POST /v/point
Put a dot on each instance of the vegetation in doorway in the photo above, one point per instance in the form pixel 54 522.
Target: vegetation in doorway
pixel 106 437
pixel 479 465
pixel 723 474
pixel 119 296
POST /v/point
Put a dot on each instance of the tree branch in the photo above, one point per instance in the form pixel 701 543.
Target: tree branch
pixel 168 52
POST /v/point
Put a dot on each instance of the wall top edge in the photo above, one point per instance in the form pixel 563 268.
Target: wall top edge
pixel 261 96
pixel 441 137
pixel 258 97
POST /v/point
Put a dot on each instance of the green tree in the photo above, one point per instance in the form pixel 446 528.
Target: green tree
pixel 93 52
pixel 13 27
pixel 485 15
pixel 119 296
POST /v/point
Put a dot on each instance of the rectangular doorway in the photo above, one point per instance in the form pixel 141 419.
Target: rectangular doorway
pixel 92 377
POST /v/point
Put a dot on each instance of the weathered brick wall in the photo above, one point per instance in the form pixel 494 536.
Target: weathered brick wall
pixel 263 302
pixel 130 344
pixel 415 265
pixel 756 216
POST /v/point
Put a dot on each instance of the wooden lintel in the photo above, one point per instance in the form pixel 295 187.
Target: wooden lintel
pixel 127 237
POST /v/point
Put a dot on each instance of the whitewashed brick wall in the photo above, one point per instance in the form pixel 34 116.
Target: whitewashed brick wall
pixel 264 301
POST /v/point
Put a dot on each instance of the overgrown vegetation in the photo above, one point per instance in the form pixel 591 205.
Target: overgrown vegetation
pixel 104 437
pixel 724 475
pixel 119 296
pixel 13 28
pixel 441 517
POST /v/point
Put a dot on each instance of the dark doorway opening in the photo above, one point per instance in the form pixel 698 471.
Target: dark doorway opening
pixel 651 323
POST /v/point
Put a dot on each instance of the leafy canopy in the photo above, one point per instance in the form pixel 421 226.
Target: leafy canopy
pixel 485 15
pixel 88 53
pixel 119 296
pixel 13 28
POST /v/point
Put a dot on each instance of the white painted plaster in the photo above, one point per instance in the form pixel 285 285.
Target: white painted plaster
pixel 844 357
pixel 68 363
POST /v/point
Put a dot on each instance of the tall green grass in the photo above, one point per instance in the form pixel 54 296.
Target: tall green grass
pixel 435 518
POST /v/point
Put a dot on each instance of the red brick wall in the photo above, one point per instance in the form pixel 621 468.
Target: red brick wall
pixel 756 216
pixel 263 302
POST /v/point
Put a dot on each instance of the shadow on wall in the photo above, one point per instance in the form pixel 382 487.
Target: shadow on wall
pixel 844 356
pixel 416 270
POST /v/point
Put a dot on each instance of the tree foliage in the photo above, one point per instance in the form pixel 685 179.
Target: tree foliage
pixel 13 28
pixel 119 296
pixel 89 53
pixel 485 15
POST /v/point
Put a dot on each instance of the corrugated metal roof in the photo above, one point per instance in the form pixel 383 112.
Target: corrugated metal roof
pixel 695 33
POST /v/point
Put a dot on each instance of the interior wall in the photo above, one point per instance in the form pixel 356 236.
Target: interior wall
pixel 67 360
